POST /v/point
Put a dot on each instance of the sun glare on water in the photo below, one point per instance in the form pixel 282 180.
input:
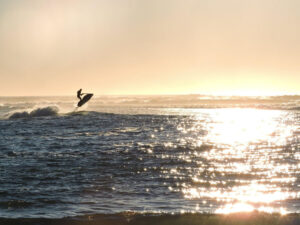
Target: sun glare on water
pixel 242 126
pixel 245 171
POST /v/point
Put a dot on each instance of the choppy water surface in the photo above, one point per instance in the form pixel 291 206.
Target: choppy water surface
pixel 145 159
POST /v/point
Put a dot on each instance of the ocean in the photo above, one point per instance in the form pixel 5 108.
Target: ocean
pixel 161 155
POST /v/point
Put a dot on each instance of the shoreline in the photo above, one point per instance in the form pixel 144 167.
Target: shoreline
pixel 130 218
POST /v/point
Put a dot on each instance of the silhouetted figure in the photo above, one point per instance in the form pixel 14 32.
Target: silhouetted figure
pixel 79 94
pixel 86 98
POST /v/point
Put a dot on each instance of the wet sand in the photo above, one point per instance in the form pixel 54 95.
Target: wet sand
pixel 165 219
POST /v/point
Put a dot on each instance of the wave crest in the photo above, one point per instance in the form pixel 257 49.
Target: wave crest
pixel 46 111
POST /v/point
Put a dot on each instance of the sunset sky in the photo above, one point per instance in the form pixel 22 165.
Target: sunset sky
pixel 54 47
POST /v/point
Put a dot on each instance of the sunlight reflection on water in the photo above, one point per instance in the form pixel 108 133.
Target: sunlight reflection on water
pixel 249 162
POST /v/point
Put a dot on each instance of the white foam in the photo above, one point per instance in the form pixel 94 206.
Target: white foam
pixel 45 111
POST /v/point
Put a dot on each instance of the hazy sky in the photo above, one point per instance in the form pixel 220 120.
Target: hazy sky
pixel 54 47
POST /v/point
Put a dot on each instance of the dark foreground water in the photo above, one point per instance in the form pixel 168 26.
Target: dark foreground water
pixel 56 162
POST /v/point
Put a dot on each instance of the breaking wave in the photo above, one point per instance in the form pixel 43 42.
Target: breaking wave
pixel 46 111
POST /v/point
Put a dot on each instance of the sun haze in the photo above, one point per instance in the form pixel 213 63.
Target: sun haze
pixel 149 47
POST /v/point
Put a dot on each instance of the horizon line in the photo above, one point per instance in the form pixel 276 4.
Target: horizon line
pixel 144 95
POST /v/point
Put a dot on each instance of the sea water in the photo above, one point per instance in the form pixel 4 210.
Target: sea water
pixel 168 154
